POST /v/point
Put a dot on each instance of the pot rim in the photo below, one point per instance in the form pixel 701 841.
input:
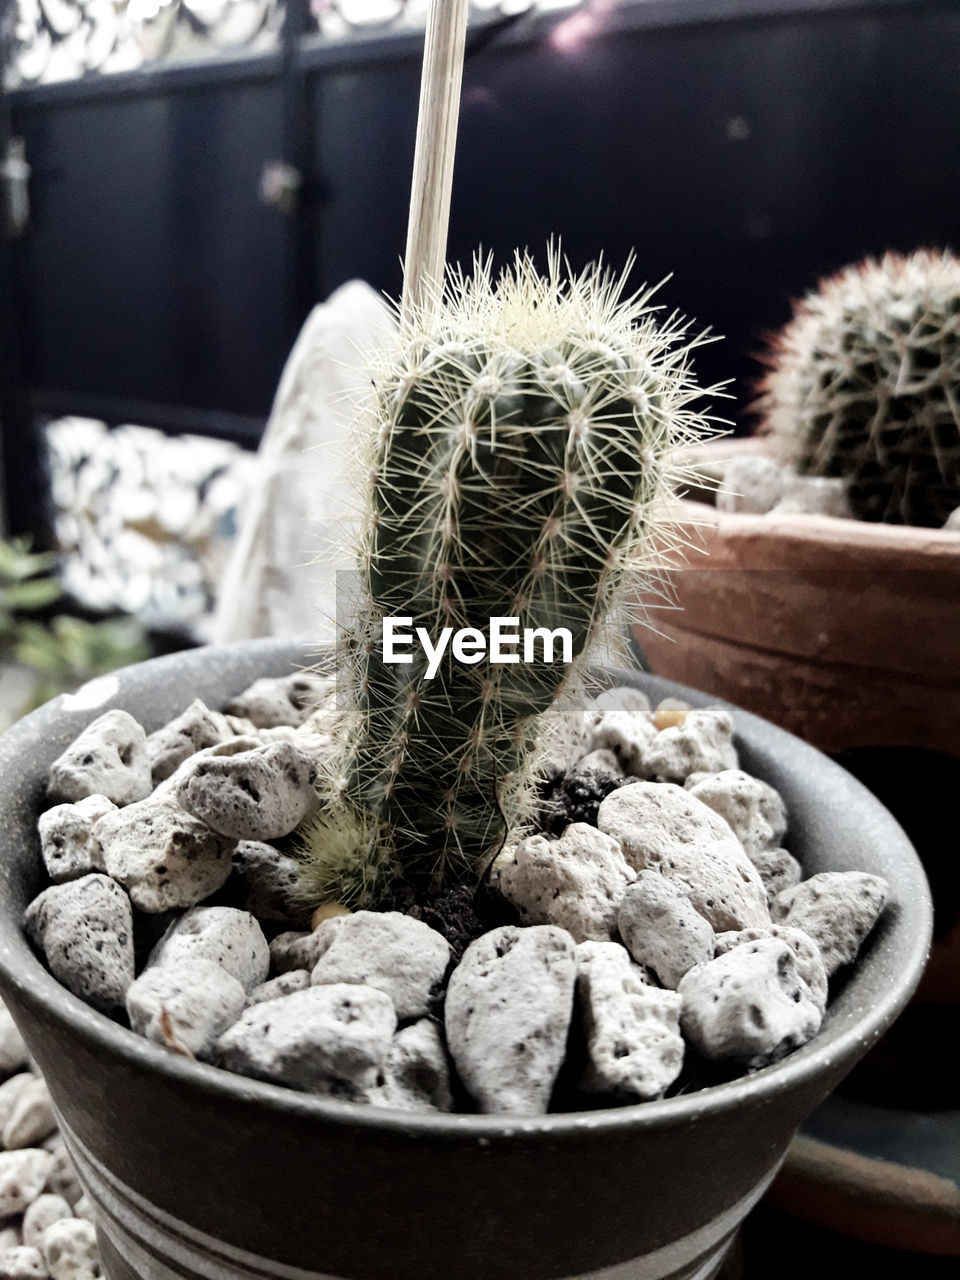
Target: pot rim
pixel 22 971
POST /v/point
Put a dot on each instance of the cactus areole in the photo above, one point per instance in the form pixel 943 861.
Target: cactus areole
pixel 522 449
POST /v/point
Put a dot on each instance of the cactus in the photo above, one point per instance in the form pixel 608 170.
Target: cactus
pixel 524 441
pixel 864 384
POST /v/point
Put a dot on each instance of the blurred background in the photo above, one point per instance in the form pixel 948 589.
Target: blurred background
pixel 183 181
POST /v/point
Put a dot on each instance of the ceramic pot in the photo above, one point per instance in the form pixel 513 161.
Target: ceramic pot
pixel 199 1173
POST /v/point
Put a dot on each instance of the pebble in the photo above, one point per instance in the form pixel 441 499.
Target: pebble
pixel 837 909
pixel 806 953
pixel 62 1179
pixel 331 1040
pixel 295 949
pixel 703 743
pixel 23 1175
pixel 662 929
pixel 182 737
pixel 417 1070
pixel 270 884
pixel 70 1251
pixel 10 1238
pixel 283 985
pixel 778 870
pixel 632 1029
pixel 749 1006
pixel 814 496
pixel 575 882
pixel 67 844
pixel 229 937
pixel 388 951
pixel 752 485
pixel 508 1010
pixel 43 1213
pixel 622 697
pixel 186 1006
pixel 163 856
pixel 31 1117
pixel 627 734
pixel 25 1262
pixel 85 930
pixel 663 828
pixel 109 758
pixel 261 794
pixel 755 811
pixel 670 713
pixel 281 700
pixel 13 1050
pixel 84 1209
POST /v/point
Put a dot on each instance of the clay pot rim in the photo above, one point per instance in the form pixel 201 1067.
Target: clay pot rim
pixel 36 987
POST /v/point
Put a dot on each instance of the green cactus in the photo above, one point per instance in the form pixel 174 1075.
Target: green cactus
pixel 864 384
pixel 524 443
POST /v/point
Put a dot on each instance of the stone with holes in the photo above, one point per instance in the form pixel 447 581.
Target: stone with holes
pixel 837 909
pixel 778 870
pixel 282 985
pixel 23 1262
pixel 230 938
pixel 43 1213
pixel 752 485
pixel 186 1006
pixel 260 794
pixel 755 811
pixel 270 884
pixel 23 1175
pixel 703 743
pixel 31 1117
pixel 109 758
pixel 627 734
pixel 69 1249
pixel 182 737
pixel 417 1070
pixel 662 929
pixel 281 700
pixel 810 967
pixel 67 844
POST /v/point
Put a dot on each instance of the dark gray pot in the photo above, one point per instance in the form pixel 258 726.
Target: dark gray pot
pixel 198 1173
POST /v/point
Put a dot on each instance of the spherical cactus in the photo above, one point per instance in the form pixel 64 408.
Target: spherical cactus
pixel 524 443
pixel 864 384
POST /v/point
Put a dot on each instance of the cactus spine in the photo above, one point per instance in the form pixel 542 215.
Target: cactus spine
pixel 865 384
pixel 523 446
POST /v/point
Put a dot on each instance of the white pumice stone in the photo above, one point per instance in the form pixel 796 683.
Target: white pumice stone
pixel 814 496
pixel 417 1070
pixel 952 522
pixel 778 870
pixel 84 1209
pixel 295 949
pixel 229 937
pixel 69 1249
pixel 23 1175
pixel 185 1007
pixel 331 1040
pixel 622 697
pixel 662 929
pixel 632 1029
pixel 270 883
pixel 627 734
pixel 85 930
pixel 109 758
pixel 387 950
pixel 755 811
pixel 575 882
pixel 508 1009
pixel 10 1092
pixel 25 1262
pixel 283 985
pixel 810 966
pixel 10 1238
pixel 281 700
pixel 663 828
pixel 13 1050
pixel 62 1178
pixel 182 737
pixel 67 843
pixel 31 1118
pixel 164 857
pixel 253 795
pixel 749 1006
pixel 751 485
pixel 837 909
pixel 702 744
pixel 43 1213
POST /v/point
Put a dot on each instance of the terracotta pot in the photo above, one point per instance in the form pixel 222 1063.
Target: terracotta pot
pixel 199 1173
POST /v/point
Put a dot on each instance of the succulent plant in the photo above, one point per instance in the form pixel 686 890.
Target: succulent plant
pixel 523 444
pixel 864 383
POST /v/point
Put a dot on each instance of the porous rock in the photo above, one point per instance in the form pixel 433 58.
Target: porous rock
pixel 13 1050
pixel 284 984
pixel 295 949
pixel 70 1250
pixel 85 930
pixel 10 1092
pixel 778 870
pixel 749 1006
pixel 282 700
pixel 62 1178
pixel 270 883
pixel 837 909
pixel 575 882
pixel 164 856
pixel 417 1070
pixel 751 485
pixel 109 758
pixel 24 1262
pixel 23 1175
pixel 260 794
pixel 195 728
pixel 332 1040
pixel 810 966
pixel 230 938
pixel 814 496
pixel 385 950
pixel 627 734
pixel 703 743
pixel 622 697
pixel 662 929
pixel 31 1117
pixel 185 1007
pixel 632 1029
pixel 508 1009
pixel 663 828
pixel 43 1213
pixel 755 811
pixel 67 844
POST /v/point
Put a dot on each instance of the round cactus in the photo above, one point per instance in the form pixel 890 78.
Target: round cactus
pixel 524 441
pixel 864 384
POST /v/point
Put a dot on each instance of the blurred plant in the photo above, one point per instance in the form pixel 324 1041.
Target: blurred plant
pixel 64 651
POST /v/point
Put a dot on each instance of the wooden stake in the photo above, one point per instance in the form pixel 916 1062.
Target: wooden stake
pixel 425 258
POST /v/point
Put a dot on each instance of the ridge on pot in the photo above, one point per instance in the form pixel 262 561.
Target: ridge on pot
pixel 177 1153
